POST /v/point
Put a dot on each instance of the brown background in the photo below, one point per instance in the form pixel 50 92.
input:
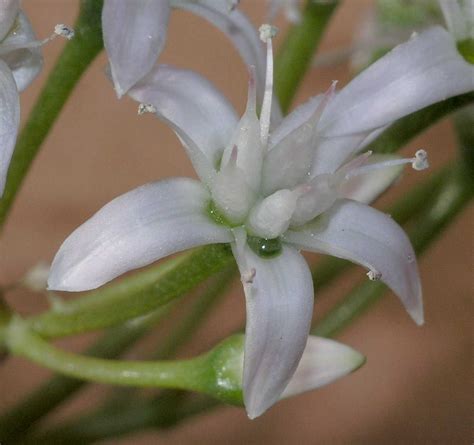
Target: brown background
pixel 415 387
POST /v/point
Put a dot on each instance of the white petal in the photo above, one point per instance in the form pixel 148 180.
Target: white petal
pixel 9 122
pixel 232 194
pixel 294 120
pixel 331 152
pixel 361 234
pixel 425 70
pixel 240 31
pixel 134 36
pixel 323 362
pixel 368 187
pixel 279 304
pixel 288 163
pixel 25 63
pixel 134 230
pixel 192 104
pixel 319 195
pixel 8 12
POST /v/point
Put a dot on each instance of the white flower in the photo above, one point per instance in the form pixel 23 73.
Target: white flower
pixel 20 63
pixel 391 22
pixel 272 194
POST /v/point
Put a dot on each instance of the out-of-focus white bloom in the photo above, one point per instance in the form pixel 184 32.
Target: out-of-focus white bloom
pixel 393 21
pixel 20 63
pixel 37 277
pixel 291 9
pixel 271 191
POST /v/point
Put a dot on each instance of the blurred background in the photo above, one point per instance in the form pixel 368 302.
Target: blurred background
pixel 416 385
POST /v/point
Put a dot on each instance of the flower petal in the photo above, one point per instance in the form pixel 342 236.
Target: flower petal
pixel 192 104
pixel 368 187
pixel 279 299
pixel 294 120
pixel 240 31
pixel 8 12
pixel 134 36
pixel 361 234
pixel 25 63
pixel 10 113
pixel 323 362
pixel 426 69
pixel 134 230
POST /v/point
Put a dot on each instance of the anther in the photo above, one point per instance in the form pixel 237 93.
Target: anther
pixel 267 32
pixel 374 275
pixel 420 161
pixel 146 108
pixel 64 31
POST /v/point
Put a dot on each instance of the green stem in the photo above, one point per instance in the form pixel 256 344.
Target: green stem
pixel 73 61
pixel 446 205
pixel 132 297
pixel 296 53
pixel 183 374
pixel 16 422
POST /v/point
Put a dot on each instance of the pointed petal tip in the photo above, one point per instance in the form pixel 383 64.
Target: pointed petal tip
pixel 255 408
pixel 417 316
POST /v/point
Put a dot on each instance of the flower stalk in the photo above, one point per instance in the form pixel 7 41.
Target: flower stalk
pixel 296 53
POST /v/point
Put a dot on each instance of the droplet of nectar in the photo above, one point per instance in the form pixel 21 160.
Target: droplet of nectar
pixel 265 248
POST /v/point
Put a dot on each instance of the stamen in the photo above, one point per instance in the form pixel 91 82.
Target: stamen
pixel 146 108
pixel 59 30
pixel 252 91
pixel 418 162
pixel 267 32
pixel 327 97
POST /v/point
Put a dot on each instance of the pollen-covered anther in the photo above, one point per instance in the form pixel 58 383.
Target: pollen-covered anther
pixel 374 275
pixel 267 32
pixel 146 108
pixel 420 161
pixel 64 31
